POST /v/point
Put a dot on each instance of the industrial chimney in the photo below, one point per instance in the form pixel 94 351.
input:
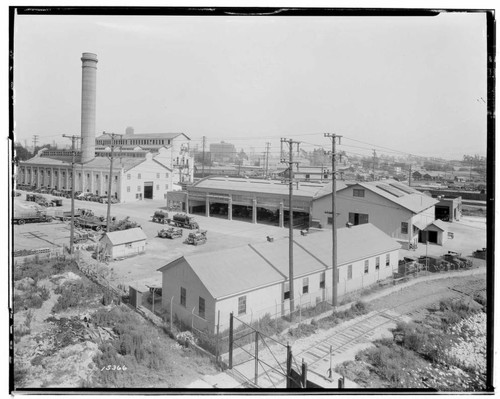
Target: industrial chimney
pixel 89 71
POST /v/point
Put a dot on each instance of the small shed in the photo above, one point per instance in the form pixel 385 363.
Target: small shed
pixel 436 232
pixel 124 243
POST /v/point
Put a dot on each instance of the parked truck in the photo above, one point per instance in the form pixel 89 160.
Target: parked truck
pixel 196 237
pixel 182 220
pixel 35 216
pixel 160 217
pixel 171 233
pixel 90 222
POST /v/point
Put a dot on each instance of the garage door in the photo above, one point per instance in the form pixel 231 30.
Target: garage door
pixel 148 190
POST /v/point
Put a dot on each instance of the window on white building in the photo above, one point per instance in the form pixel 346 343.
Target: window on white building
pixel 201 307
pixel 157 187
pixel 138 188
pixel 305 285
pixel 242 305
pixel 377 263
pixel 128 176
pixel 404 228
pixel 367 266
pixel 183 296
pixel 166 186
pixel 166 175
pixel 157 175
pixel 286 291
pixel 128 189
pixel 349 272
pixel 138 175
pixel 387 260
pixel 322 280
pixel 357 192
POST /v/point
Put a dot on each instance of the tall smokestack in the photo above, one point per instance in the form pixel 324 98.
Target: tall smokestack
pixel 89 71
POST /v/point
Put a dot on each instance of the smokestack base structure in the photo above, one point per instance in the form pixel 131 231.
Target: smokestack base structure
pixel 89 72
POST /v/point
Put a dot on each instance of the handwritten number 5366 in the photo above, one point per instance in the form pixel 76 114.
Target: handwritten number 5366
pixel 114 367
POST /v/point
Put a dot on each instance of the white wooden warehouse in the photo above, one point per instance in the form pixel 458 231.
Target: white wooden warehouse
pixel 252 280
pixel 124 243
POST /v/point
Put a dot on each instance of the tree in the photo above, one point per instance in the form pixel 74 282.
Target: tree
pixel 21 153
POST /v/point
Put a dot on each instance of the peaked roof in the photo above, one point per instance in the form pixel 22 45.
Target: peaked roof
pixel 246 268
pixel 125 236
pixel 231 271
pixel 440 224
pixel 311 190
pixel 402 195
pixel 146 136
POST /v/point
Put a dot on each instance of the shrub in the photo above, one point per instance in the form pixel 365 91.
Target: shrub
pixel 20 374
pixel 75 293
pixel 302 330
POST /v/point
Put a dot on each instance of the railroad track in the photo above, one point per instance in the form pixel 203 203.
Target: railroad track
pixel 317 355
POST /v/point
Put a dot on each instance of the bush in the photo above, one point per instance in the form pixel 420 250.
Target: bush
pixel 74 294
pixel 302 330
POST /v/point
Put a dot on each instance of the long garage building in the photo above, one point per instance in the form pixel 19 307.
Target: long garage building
pixel 257 200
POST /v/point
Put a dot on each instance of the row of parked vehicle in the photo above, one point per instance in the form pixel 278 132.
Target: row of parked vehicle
pixel 450 261
pixel 67 194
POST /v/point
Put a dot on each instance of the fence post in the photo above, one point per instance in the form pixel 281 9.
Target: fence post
pixel 256 357
pixel 171 315
pixel 300 309
pixel 276 314
pixel 288 366
pixel 231 340
pixel 303 379
pixel 217 339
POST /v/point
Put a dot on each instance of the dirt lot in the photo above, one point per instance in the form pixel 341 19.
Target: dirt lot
pixel 221 234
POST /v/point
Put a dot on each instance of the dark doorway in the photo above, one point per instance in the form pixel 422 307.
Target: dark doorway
pixel 442 212
pixel 148 190
pixel 358 218
pixel 432 236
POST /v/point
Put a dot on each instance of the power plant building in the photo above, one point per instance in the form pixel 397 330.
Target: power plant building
pixel 145 166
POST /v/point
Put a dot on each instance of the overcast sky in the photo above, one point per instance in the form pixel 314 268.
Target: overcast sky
pixel 408 83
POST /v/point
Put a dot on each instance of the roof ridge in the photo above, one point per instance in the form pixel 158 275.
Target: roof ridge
pixel 311 254
pixel 267 261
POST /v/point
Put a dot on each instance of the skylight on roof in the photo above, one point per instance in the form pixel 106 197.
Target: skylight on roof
pixel 390 190
pixel 402 187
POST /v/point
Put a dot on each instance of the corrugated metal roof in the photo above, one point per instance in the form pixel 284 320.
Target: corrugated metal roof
pixel 241 269
pixel 415 202
pixel 231 184
pixel 125 236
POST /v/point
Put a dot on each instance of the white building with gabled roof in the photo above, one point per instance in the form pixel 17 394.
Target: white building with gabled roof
pixel 124 243
pixel 252 280
pixel 397 209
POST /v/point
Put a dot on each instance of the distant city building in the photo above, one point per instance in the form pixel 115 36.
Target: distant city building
pixel 145 166
pixel 223 152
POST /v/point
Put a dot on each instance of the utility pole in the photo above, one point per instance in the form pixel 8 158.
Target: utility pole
pixel 35 140
pixel 72 226
pixel 290 162
pixel 110 181
pixel 268 145
pixel 334 137
pixel 373 168
pixel 409 178
pixel 203 159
